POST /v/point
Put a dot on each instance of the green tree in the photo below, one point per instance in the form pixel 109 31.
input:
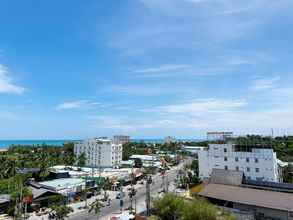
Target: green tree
pixel 96 207
pixel 288 174
pixel 169 207
pixel 61 211
pixel 199 209
pixel 81 160
pixel 56 200
pixel 194 166
pixel 18 192
pixel 69 157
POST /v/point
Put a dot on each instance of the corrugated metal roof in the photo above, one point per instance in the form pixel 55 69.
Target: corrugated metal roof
pixel 248 196
pixel 39 192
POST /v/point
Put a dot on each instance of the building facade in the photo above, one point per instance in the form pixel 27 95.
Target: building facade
pixel 121 139
pixel 256 163
pixel 219 136
pixel 193 149
pixel 99 152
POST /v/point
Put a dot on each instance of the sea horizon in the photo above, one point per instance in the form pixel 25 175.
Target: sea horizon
pixel 59 142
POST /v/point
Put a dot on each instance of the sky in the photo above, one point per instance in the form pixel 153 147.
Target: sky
pixel 145 68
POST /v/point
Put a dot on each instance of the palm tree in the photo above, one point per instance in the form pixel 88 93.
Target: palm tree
pixel 96 207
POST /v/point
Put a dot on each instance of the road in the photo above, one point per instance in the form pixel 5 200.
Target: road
pixel 156 187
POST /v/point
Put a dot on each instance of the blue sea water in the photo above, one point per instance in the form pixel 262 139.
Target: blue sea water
pixel 7 143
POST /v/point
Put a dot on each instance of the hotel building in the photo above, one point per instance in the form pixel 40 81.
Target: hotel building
pixel 99 152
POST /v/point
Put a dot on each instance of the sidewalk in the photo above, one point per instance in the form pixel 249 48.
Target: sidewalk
pixel 77 206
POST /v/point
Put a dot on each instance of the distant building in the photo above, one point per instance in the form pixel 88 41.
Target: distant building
pixel 256 163
pixel 64 186
pixel 99 152
pixel 193 149
pixel 121 139
pixel 218 136
pixel 147 160
pixel 169 140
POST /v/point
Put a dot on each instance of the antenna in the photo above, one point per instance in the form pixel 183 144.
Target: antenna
pixel 272 137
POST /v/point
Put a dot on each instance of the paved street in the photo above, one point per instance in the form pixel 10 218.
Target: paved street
pixel 108 211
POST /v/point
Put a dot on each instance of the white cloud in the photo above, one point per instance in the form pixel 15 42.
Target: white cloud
pixel 196 117
pixel 229 62
pixel 112 122
pixel 76 104
pixel 206 22
pixel 264 84
pixel 6 84
pixel 163 68
pixel 202 106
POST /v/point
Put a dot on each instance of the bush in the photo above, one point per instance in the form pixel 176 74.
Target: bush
pixel 172 207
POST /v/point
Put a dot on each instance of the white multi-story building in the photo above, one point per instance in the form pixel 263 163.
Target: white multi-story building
pixel 219 136
pixel 121 139
pixel 99 152
pixel 256 163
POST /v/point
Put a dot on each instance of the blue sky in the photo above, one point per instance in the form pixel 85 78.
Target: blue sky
pixel 147 68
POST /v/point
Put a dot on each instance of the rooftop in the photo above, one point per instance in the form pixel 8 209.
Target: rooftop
pixel 63 183
pixel 249 196
pixel 143 157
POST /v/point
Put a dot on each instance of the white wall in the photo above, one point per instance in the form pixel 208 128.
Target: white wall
pixel 99 153
pixel 262 160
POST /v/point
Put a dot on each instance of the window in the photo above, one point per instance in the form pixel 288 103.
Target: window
pixel 225 150
pixel 236 159
pixel 215 148
pixel 247 159
pixel 237 168
pixel 257 170
pixel 256 160
pixel 225 158
pixel 248 169
pixel 226 167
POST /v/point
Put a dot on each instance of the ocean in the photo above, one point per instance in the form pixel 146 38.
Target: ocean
pixel 6 143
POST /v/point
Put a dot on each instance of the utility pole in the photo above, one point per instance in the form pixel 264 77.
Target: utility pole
pixel 163 180
pixel 85 190
pixel 167 184
pixel 135 203
pixel 132 191
pixel 148 194
pixel 121 199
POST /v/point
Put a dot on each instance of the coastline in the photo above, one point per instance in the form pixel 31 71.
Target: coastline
pixel 5 144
